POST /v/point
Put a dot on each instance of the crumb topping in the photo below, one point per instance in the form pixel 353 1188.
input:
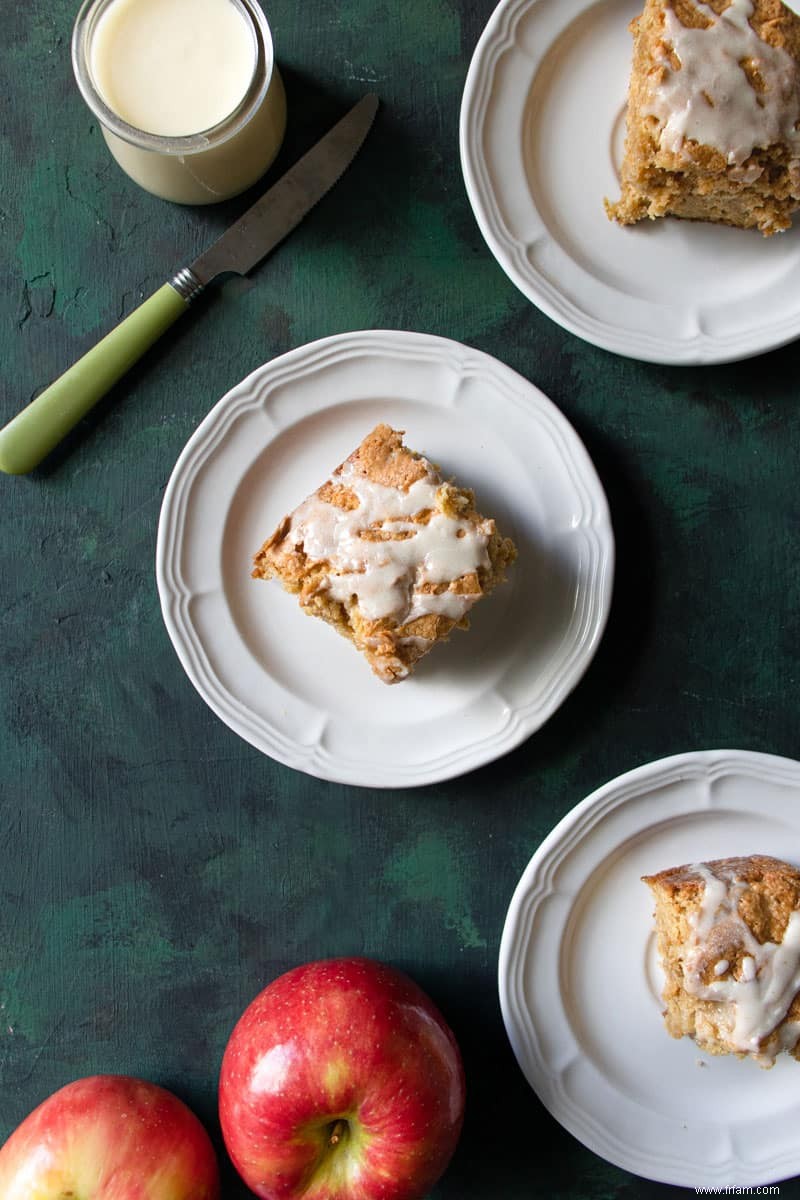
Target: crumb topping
pixel 767 975
pixel 387 553
pixel 722 86
pixel 729 940
pixel 396 552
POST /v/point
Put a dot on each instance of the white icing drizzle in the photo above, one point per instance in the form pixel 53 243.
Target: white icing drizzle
pixel 710 100
pixel 769 976
pixel 387 575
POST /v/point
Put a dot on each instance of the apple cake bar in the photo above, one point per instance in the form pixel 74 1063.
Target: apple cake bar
pixel 713 114
pixel 729 941
pixel 388 553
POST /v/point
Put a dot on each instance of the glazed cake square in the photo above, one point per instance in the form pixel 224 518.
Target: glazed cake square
pixel 729 941
pixel 713 114
pixel 388 553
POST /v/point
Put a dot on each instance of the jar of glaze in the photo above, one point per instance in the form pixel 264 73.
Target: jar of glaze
pixel 187 93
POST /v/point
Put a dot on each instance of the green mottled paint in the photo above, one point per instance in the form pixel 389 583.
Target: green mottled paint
pixel 120 916
pixel 116 922
pixel 427 873
pixel 157 871
pixel 407 29
pixel 67 287
pixel 439 286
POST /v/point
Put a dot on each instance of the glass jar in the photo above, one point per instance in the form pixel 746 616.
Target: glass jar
pixel 200 167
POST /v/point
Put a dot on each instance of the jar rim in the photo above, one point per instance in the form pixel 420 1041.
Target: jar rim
pixel 182 144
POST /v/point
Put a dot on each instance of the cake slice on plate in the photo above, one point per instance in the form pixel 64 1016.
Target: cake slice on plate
pixel 729 941
pixel 713 114
pixel 388 553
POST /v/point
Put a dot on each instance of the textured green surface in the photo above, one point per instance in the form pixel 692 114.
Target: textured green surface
pixel 156 871
pixel 41 425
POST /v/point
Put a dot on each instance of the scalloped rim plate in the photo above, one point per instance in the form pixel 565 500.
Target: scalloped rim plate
pixel 542 126
pixel 292 686
pixel 580 982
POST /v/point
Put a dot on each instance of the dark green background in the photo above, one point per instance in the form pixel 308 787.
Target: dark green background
pixel 155 871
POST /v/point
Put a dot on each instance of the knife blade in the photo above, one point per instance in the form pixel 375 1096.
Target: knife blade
pixel 37 429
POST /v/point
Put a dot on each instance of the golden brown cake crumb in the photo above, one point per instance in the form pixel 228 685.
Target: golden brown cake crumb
pixel 713 114
pixel 387 553
pixel 729 941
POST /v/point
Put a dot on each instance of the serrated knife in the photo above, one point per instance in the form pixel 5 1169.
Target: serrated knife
pixel 39 427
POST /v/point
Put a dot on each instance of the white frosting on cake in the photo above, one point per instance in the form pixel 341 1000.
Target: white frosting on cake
pixel 383 559
pixel 710 100
pixel 769 972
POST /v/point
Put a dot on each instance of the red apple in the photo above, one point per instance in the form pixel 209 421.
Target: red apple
pixel 109 1137
pixel 341 1081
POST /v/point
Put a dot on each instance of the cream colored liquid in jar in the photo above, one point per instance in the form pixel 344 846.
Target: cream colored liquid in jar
pixel 198 104
pixel 173 67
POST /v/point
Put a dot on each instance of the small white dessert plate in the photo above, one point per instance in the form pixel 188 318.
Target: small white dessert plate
pixel 542 127
pixel 580 981
pixel 292 686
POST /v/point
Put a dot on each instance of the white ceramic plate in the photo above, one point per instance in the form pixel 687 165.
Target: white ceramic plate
pixel 542 126
pixel 291 685
pixel 580 981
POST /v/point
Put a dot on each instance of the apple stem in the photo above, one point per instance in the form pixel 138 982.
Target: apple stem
pixel 337 1132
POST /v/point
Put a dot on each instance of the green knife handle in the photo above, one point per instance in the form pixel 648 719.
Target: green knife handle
pixel 37 429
